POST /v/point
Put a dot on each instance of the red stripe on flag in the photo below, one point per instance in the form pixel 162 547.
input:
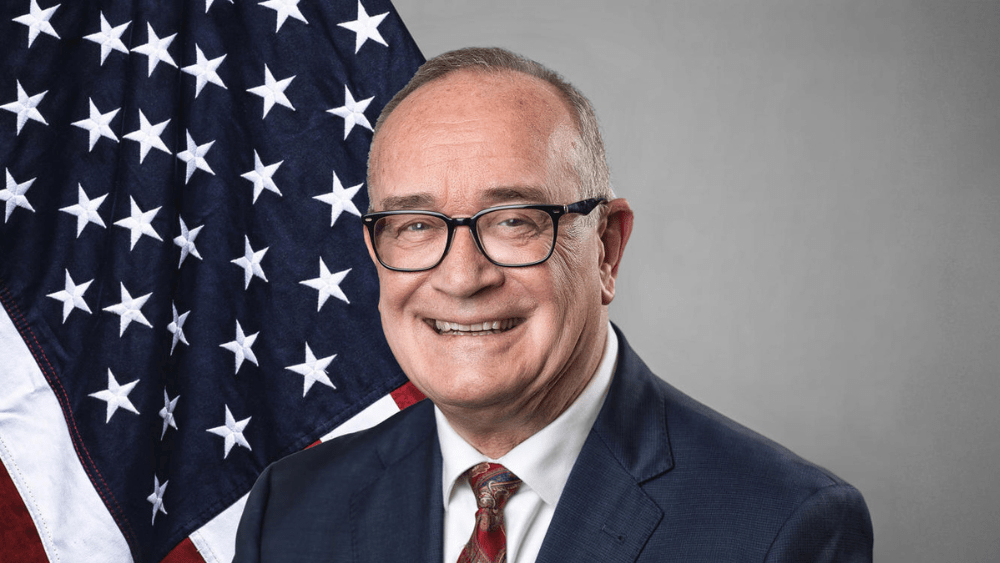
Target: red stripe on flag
pixel 185 552
pixel 406 395
pixel 31 341
pixel 19 540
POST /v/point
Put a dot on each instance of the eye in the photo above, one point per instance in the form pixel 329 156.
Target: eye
pixel 512 222
pixel 415 226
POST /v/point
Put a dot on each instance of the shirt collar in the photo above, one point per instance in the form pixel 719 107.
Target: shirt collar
pixel 543 462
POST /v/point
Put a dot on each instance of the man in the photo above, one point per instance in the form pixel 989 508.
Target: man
pixel 497 242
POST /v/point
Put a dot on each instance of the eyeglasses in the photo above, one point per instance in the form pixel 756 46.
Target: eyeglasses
pixel 509 235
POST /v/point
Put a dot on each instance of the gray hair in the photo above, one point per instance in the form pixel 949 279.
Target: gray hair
pixel 588 157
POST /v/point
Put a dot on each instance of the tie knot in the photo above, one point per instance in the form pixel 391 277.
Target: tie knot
pixel 493 484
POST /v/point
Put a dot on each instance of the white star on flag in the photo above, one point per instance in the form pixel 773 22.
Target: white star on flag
pixel 98 124
pixel 148 136
pixel 208 4
pixel 13 194
pixel 139 223
pixel 352 112
pixel 109 38
pixel 25 107
pixel 156 49
pixel 340 199
pixel 250 262
pixel 232 431
pixel 185 240
pixel 261 176
pixel 72 296
pixel 272 91
pixel 313 370
pixel 366 27
pixel 328 284
pixel 129 310
pixel 86 210
pixel 156 499
pixel 164 230
pixel 241 347
pixel 167 413
pixel 176 327
pixel 284 8
pixel 204 71
pixel 37 21
pixel 194 157
pixel 116 396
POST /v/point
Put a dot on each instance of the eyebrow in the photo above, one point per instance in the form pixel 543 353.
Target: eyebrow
pixel 511 194
pixel 493 196
pixel 411 201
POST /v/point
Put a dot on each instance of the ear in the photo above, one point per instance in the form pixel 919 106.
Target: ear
pixel 614 232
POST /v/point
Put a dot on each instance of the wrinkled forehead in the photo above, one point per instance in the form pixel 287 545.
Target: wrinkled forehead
pixel 506 115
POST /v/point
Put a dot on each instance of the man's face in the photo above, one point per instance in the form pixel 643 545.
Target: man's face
pixel 458 145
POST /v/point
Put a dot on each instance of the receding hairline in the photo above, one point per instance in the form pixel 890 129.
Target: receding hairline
pixel 588 157
pixel 545 78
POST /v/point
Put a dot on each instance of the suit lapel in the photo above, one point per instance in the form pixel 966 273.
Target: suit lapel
pixel 398 515
pixel 603 514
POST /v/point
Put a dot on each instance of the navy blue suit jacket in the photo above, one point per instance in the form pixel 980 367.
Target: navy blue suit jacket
pixel 661 477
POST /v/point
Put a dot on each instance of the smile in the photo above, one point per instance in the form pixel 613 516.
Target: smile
pixel 475 329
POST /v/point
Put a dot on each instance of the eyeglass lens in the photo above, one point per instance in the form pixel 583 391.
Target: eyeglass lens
pixel 511 237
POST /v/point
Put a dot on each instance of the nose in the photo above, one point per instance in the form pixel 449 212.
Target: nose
pixel 465 271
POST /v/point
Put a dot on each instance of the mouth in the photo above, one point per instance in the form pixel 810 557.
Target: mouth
pixel 474 329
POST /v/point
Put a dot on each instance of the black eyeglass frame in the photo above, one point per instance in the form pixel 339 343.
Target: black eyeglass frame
pixel 583 207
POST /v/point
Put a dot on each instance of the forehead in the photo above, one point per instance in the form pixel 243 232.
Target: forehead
pixel 474 137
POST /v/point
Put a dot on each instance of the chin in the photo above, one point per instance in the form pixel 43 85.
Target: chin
pixel 465 384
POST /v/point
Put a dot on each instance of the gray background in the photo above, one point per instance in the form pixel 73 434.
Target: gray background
pixel 817 242
pixel 816 251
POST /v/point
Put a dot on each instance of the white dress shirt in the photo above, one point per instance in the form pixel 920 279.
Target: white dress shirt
pixel 543 463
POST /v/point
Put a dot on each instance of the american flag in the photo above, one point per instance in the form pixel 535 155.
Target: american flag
pixel 186 292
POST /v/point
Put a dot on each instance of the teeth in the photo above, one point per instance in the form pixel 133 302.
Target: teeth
pixel 485 327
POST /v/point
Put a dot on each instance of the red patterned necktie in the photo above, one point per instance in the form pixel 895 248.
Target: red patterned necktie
pixel 492 484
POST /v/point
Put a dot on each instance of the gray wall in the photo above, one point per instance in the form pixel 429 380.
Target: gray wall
pixel 817 243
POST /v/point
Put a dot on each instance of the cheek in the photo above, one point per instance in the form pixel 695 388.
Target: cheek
pixel 565 290
pixel 391 310
pixel 393 294
pixel 574 281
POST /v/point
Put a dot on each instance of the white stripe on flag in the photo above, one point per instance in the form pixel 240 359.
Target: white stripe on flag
pixel 371 416
pixel 216 540
pixel 35 446
pixel 71 519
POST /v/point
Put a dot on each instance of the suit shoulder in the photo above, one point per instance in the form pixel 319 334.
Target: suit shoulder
pixel 706 437
pixel 352 457
pixel 302 506
pixel 705 447
pixel 709 447
pixel 700 439
pixel 726 491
